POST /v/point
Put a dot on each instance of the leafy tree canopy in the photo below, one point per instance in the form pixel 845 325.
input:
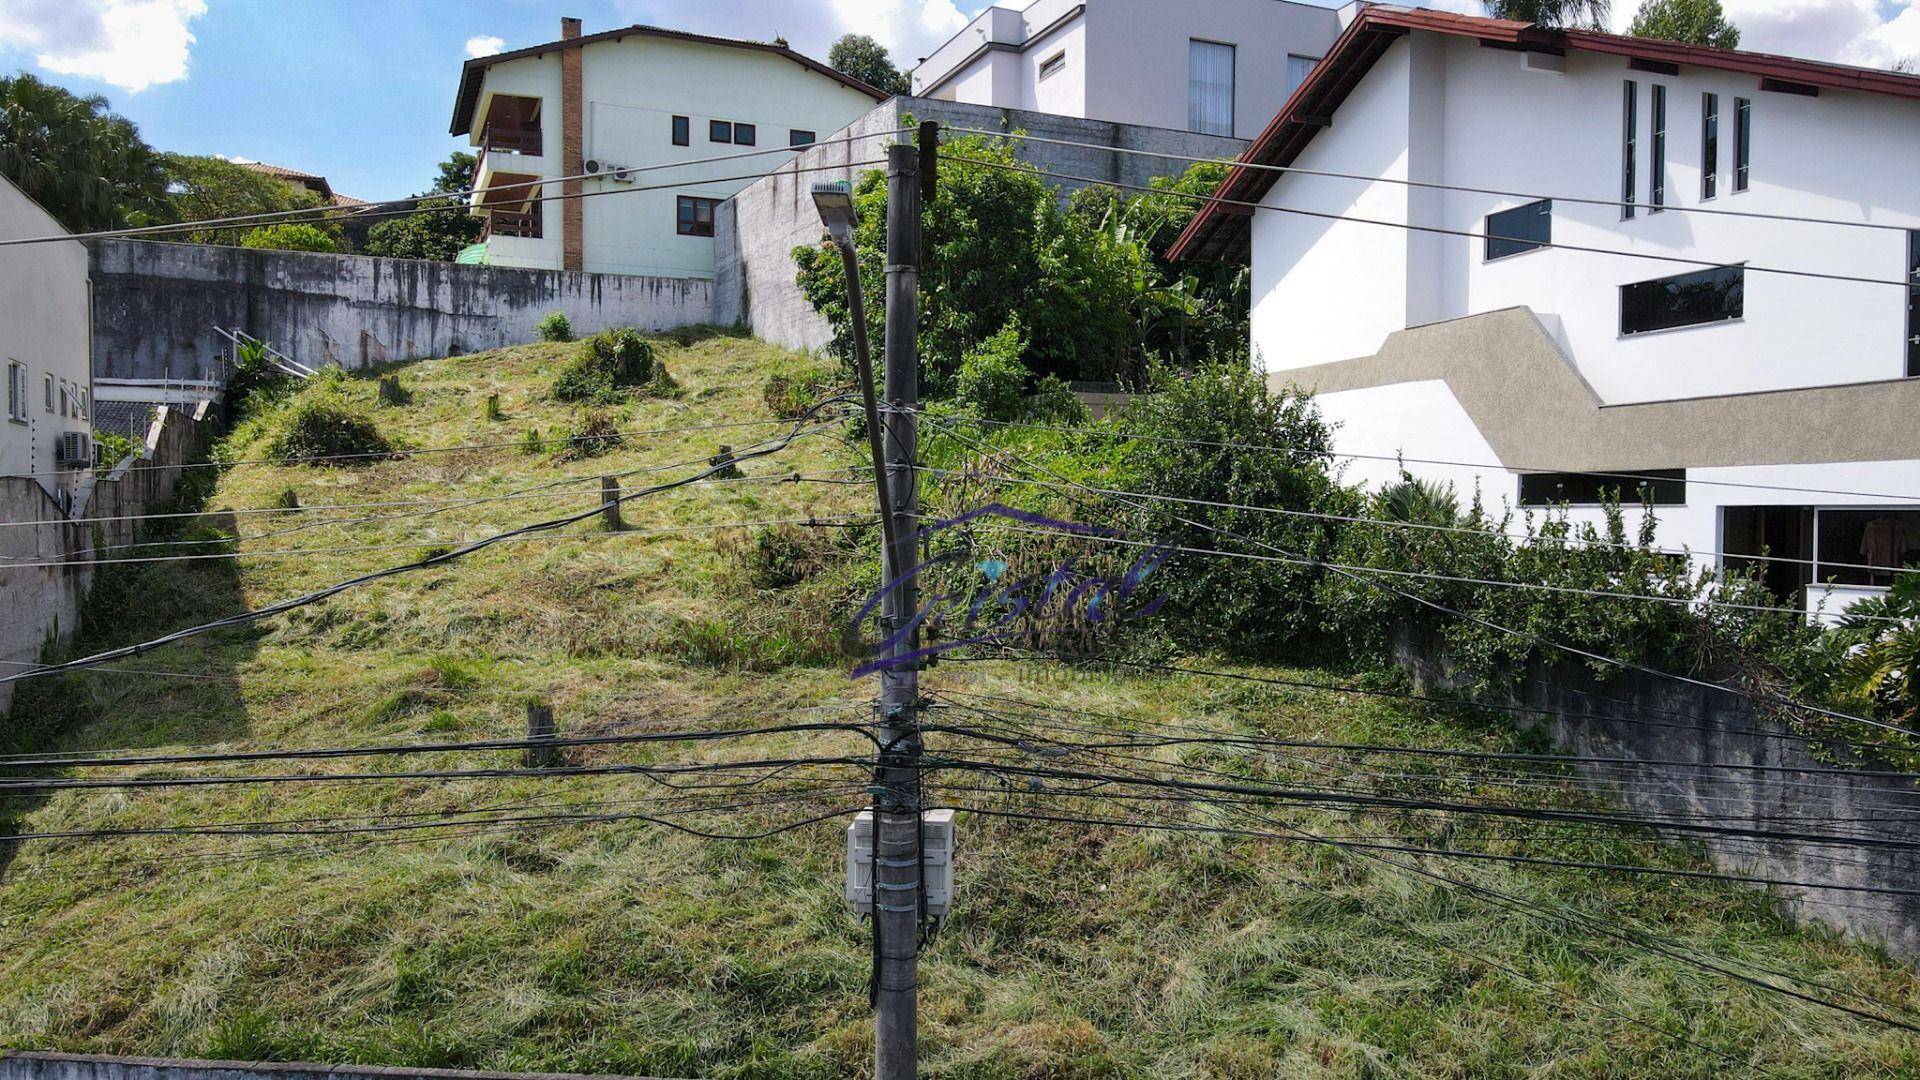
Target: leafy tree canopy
pixel 441 228
pixel 293 236
pixel 203 188
pixel 454 174
pixel 1580 14
pixel 1695 22
pixel 865 59
pixel 87 166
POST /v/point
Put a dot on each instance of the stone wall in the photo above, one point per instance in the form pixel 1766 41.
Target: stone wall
pixel 756 231
pixel 156 306
pixel 22 1065
pixel 1681 730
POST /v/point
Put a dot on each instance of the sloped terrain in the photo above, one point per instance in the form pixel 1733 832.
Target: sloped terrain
pixel 405 921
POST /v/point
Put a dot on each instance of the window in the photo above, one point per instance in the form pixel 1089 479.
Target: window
pixel 1913 303
pixel 719 131
pixel 1522 228
pixel 49 390
pixel 695 215
pixel 682 131
pixel 1053 65
pixel 743 134
pixel 1709 145
pixel 1703 296
pixel 1298 67
pixel 1210 87
pixel 1657 182
pixel 1662 487
pixel 82 403
pixel 1846 542
pixel 17 392
pixel 796 137
pixel 1742 141
pixel 1628 185
pixel 65 398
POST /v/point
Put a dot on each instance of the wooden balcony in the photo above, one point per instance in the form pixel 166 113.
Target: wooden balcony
pixel 513 223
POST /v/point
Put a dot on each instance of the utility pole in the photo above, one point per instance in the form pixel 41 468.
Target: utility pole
pixel 897 886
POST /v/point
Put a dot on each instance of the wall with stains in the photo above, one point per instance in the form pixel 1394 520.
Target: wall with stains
pixel 156 306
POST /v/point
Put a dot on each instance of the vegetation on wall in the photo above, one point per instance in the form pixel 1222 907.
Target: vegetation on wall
pixel 289 236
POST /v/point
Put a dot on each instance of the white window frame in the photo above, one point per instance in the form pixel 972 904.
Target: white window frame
pixel 16 391
pixel 1196 121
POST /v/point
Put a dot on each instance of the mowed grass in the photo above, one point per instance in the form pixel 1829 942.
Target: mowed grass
pixel 621 946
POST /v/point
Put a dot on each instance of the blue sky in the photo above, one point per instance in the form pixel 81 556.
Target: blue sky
pixel 361 90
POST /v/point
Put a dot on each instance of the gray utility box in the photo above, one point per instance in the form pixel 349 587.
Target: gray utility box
pixel 936 845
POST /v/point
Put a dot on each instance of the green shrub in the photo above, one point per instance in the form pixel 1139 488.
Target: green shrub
pixel 111 448
pixel 610 367
pixel 597 434
pixel 289 236
pixel 490 408
pixel 994 383
pixel 555 326
pixel 325 430
pixel 531 443
pixel 796 383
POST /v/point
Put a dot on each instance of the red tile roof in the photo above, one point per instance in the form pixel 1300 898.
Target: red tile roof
pixel 1220 230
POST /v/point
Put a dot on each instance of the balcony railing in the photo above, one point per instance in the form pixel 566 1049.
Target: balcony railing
pixel 511 140
pixel 513 223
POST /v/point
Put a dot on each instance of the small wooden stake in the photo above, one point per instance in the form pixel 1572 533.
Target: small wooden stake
pixel 540 726
pixel 390 391
pixel 610 503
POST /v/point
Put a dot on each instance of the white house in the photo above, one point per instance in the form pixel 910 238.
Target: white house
pixel 46 333
pixel 1220 67
pixel 618 105
pixel 1439 299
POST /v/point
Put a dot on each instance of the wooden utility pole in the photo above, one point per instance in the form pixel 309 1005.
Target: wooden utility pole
pixel 897 886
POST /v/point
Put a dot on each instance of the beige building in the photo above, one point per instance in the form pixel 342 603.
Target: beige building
pixel 46 331
pixel 605 116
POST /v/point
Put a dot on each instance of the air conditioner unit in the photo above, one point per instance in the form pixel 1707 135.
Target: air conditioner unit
pixel 623 174
pixel 74 448
pixel 595 166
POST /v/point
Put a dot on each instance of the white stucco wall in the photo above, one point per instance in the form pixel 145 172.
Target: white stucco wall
pixel 46 325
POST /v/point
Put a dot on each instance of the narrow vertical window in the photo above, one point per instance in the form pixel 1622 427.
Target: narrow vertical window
pixel 1913 303
pixel 1298 68
pixel 1210 87
pixel 49 392
pixel 1742 141
pixel 17 392
pixel 1628 185
pixel 1709 145
pixel 1657 167
pixel 682 131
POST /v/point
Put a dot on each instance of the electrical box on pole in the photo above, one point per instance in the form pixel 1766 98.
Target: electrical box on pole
pixel 936 855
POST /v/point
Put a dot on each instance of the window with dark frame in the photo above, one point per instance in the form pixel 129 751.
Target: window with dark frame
pixel 1691 299
pixel 17 392
pixel 743 134
pixel 1709 145
pixel 1661 487
pixel 1053 65
pixel 796 137
pixel 1657 167
pixel 682 131
pixel 1913 303
pixel 1521 229
pixel 719 131
pixel 1742 141
pixel 694 215
pixel 1628 183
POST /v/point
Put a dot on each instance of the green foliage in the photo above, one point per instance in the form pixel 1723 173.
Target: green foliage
pixel 439 229
pixel 1418 500
pixel 994 383
pixel 1573 14
pixel 254 382
pixel 796 383
pixel 1878 642
pixel 454 174
pixel 611 366
pixel 202 188
pixel 866 59
pixel 555 326
pixel 113 447
pixel 490 408
pixel 86 166
pixel 598 433
pixel 324 426
pixel 1696 22
pixel 531 443
pixel 289 236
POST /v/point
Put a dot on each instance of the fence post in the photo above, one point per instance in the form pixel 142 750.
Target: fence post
pixel 610 503
pixel 540 726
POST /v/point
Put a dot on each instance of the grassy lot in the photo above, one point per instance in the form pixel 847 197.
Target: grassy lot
pixel 1074 949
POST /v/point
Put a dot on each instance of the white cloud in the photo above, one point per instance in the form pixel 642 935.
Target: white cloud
pixel 132 44
pixel 908 28
pixel 484 45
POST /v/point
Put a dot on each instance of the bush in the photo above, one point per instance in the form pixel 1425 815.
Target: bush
pixel 111 448
pixel 612 365
pixel 995 384
pixel 555 326
pixel 324 430
pixel 289 236
pixel 597 434
pixel 796 383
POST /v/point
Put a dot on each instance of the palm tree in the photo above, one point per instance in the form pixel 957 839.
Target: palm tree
pixel 1570 14
pixel 87 166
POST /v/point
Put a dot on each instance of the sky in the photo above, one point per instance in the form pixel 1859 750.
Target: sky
pixel 361 91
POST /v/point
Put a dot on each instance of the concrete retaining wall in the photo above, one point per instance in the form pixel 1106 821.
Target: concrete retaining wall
pixel 756 231
pixel 19 1065
pixel 41 604
pixel 1670 721
pixel 156 306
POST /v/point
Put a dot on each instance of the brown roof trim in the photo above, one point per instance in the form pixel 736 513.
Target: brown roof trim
pixel 1216 235
pixel 475 69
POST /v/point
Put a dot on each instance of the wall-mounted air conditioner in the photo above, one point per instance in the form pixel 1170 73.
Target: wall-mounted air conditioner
pixel 74 448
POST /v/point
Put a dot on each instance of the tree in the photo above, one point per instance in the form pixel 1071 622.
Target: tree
pixel 208 188
pixel 865 59
pixel 292 236
pixel 441 225
pixel 88 167
pixel 1578 14
pixel 1695 22
pixel 455 173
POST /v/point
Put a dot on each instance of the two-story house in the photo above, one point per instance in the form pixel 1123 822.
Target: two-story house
pixel 1219 67
pixel 1548 264
pixel 46 334
pixel 569 132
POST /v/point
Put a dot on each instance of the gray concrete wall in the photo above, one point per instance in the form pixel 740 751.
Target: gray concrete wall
pixel 1648 718
pixel 156 304
pixel 24 1065
pixel 756 231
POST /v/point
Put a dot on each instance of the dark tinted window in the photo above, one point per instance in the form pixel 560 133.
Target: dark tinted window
pixel 1666 487
pixel 1709 145
pixel 1913 302
pixel 719 131
pixel 1522 228
pixel 695 215
pixel 1704 296
pixel 682 131
pixel 1657 168
pixel 1627 148
pixel 1742 141
pixel 743 134
pixel 796 137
